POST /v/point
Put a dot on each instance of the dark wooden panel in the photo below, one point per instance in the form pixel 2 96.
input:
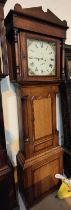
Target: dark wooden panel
pixel 67 163
pixel 66 100
pixel 8 200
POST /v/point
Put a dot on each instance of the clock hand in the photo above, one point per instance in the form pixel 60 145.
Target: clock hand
pixel 36 58
pixel 52 59
pixel 50 52
pixel 42 64
pixel 41 44
pixel 50 65
pixel 36 45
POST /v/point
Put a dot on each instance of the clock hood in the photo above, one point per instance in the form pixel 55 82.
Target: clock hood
pixel 33 23
pixel 39 14
pixel 3 1
pixel 33 20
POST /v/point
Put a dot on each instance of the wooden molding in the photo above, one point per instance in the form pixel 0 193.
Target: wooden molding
pixel 37 12
pixel 3 1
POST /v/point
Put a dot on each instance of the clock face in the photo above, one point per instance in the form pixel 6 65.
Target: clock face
pixel 41 58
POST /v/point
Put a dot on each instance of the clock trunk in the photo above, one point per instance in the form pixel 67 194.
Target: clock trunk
pixel 38 119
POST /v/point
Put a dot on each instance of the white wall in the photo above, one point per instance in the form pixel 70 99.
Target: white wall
pixel 59 119
pixel 9 103
pixel 61 8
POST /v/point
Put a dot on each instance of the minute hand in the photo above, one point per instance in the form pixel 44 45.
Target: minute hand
pixel 37 58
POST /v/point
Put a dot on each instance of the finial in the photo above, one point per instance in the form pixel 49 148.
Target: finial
pixel 17 7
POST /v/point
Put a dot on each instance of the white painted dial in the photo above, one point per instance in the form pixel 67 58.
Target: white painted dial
pixel 41 58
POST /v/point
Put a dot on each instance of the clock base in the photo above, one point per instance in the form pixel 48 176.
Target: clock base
pixel 36 175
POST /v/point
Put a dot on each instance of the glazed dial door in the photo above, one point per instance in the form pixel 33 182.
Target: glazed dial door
pixel 41 58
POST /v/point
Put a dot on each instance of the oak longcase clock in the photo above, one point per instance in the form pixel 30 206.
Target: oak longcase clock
pixel 35 41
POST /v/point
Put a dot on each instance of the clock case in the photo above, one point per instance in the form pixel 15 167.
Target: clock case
pixel 39 157
pixel 66 111
pixel 37 24
pixel 34 23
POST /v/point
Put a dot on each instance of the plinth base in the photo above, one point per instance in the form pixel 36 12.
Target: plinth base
pixel 36 175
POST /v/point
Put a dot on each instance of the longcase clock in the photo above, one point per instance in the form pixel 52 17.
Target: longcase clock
pixel 35 41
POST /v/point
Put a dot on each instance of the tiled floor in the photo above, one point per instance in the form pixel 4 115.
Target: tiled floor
pixel 49 203
pixel 21 203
